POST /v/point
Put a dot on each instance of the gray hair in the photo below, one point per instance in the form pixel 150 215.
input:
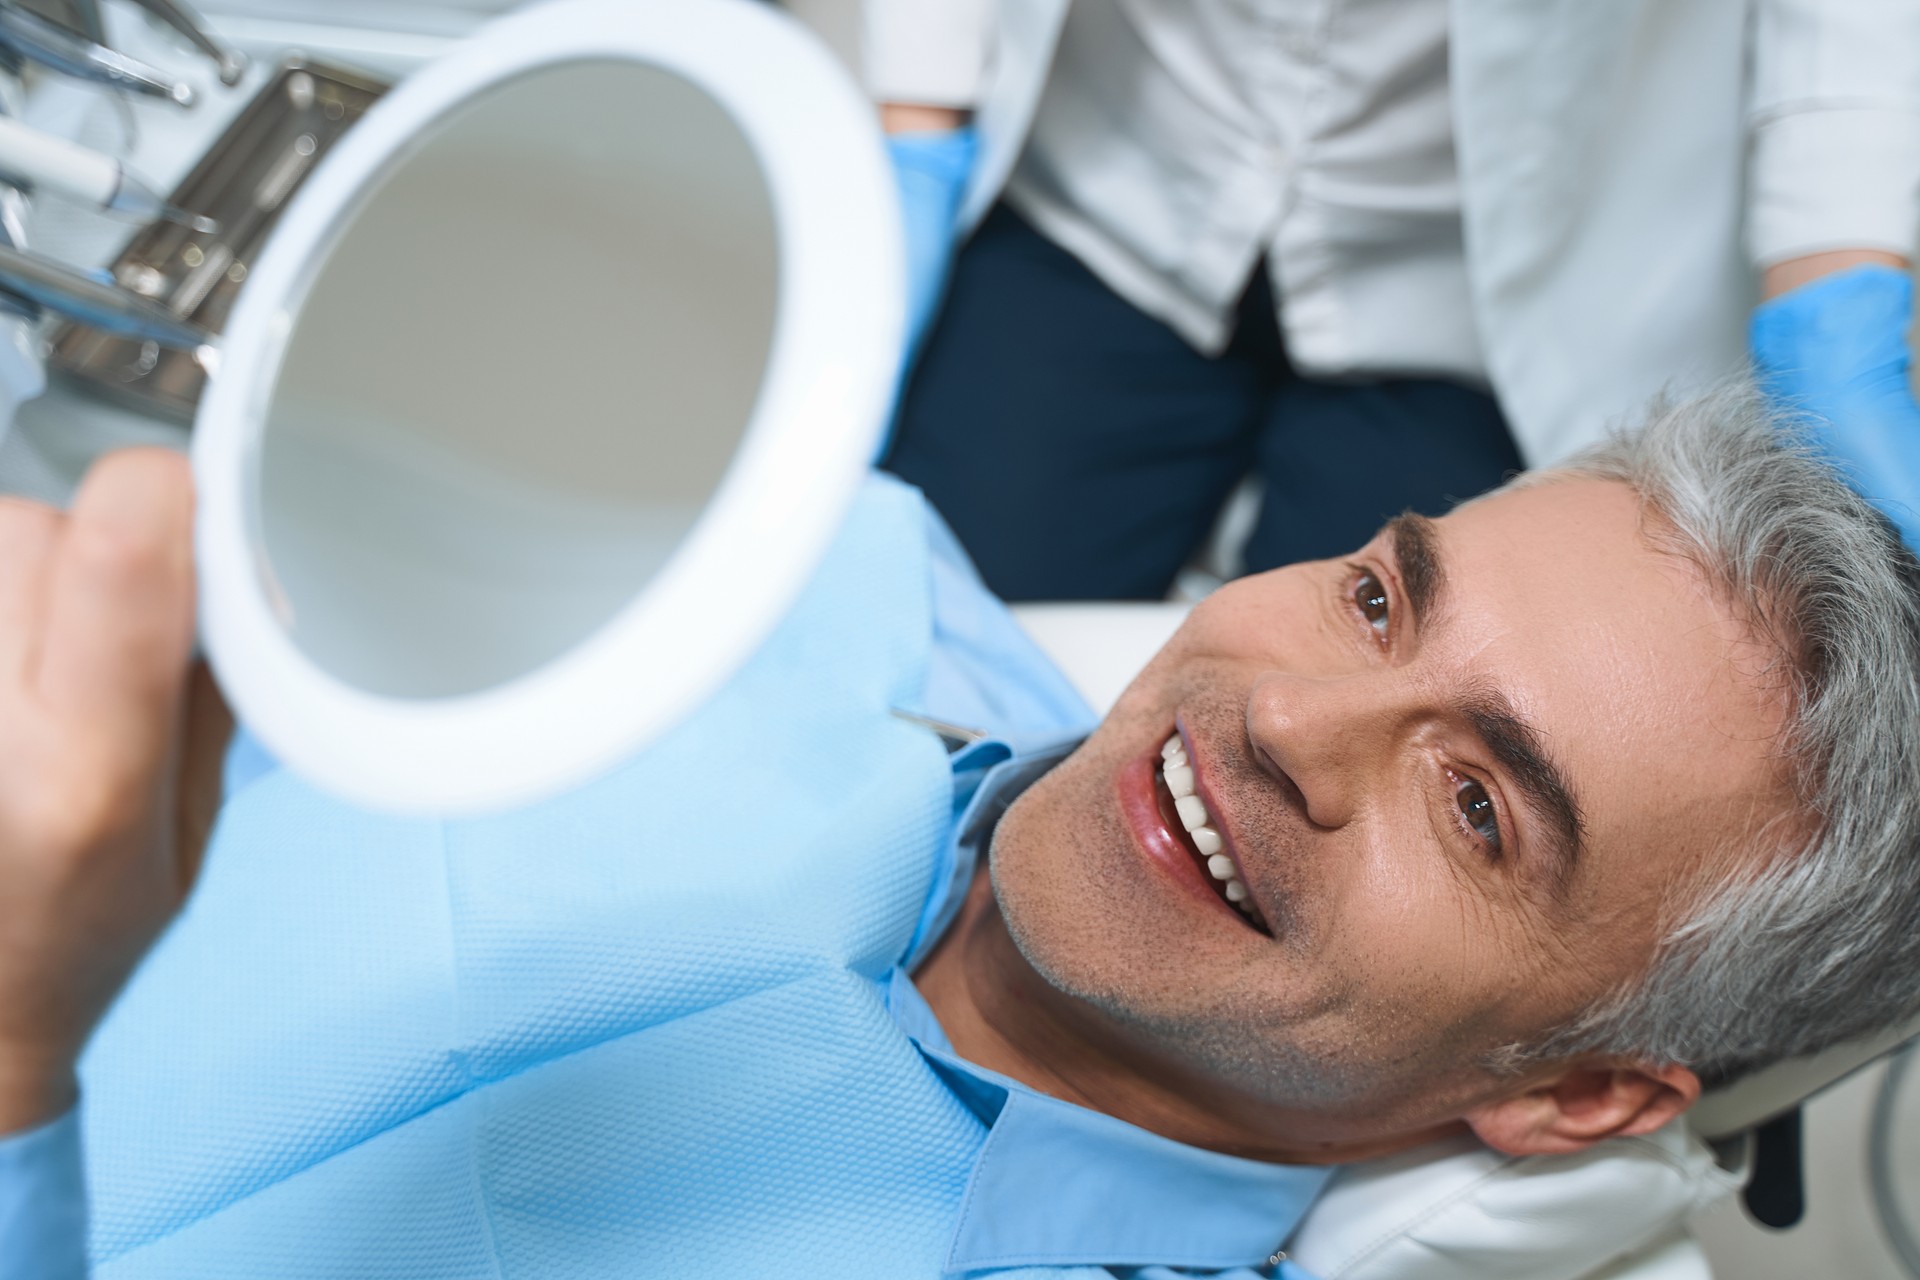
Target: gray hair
pixel 1818 941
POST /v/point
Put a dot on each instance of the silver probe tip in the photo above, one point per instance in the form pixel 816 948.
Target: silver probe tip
pixel 187 218
pixel 182 93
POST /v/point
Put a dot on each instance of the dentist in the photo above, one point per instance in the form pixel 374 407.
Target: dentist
pixel 1377 254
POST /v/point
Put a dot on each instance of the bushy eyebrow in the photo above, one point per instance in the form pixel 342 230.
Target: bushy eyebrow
pixel 1523 755
pixel 1416 554
pixel 1512 739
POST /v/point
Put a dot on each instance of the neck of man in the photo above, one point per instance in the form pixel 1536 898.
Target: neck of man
pixel 1001 1014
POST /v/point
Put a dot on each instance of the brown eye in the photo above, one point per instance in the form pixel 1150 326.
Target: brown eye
pixel 1371 599
pixel 1476 806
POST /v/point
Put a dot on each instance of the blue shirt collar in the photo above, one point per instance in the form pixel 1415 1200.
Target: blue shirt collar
pixel 1057 1184
pixel 988 776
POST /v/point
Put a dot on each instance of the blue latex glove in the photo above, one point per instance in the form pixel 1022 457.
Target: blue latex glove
pixel 932 170
pixel 1836 349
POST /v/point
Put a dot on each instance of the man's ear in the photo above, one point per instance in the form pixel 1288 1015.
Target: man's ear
pixel 1581 1105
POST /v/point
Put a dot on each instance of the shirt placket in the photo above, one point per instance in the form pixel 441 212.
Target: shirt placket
pixel 1280 66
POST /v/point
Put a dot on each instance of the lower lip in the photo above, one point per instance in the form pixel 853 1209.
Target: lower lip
pixel 1140 805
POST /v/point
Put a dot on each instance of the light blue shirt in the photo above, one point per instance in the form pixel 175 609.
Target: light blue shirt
pixel 1055 1184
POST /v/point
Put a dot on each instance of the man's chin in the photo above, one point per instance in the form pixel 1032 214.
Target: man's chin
pixel 1058 902
pixel 1060 893
pixel 1144 1012
pixel 1063 907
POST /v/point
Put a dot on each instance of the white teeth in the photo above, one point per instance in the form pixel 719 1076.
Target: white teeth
pixel 1193 814
pixel 1177 772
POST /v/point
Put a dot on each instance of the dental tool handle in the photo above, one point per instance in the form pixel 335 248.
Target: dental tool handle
pixel 32 158
pixel 231 63
pixel 96 302
pixel 31 36
pixel 44 162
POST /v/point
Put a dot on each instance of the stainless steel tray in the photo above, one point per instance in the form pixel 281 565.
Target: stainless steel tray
pixel 244 181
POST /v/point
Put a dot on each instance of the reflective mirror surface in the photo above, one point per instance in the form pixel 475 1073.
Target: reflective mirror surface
pixel 521 371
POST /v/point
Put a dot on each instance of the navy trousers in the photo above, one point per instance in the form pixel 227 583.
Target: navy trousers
pixel 1082 449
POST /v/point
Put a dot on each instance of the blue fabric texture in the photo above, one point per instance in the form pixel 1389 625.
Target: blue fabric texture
pixel 1835 350
pixel 519 1046
pixel 246 761
pixel 658 1026
pixel 984 672
pixel 43 1205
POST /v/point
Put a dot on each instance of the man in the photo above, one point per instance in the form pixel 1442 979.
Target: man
pixel 1525 822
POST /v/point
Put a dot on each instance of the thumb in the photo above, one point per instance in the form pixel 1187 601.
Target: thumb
pixel 120 604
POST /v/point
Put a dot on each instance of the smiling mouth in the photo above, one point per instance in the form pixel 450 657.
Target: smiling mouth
pixel 1187 818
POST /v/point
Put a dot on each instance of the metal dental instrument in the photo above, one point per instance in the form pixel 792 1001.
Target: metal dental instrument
pixel 96 302
pixel 952 736
pixel 44 162
pixel 53 46
pixel 244 180
pixel 231 62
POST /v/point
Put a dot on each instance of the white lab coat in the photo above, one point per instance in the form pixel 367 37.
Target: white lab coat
pixel 1626 166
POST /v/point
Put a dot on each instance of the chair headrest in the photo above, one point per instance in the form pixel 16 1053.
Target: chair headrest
pixel 1765 1094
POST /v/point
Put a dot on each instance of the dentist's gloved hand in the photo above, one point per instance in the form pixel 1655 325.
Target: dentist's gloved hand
pixel 1836 348
pixel 932 170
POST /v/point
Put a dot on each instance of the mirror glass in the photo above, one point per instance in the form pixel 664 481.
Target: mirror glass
pixel 518 375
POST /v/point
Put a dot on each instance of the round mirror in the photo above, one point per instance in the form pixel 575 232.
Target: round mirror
pixel 518 379
pixel 545 398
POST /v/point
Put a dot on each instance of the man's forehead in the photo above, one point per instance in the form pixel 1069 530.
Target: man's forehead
pixel 1642 686
pixel 1554 556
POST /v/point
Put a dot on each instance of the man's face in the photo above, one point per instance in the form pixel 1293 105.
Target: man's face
pixel 1463 775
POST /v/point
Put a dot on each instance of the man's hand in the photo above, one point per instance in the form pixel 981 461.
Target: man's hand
pixel 933 150
pixel 1831 342
pixel 96 633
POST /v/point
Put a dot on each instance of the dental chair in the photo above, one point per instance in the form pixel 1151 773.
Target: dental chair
pixel 1459 1211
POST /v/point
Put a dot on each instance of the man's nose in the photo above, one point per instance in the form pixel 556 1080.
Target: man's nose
pixel 1331 737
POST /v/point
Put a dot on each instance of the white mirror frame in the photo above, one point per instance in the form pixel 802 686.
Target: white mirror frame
pixel 827 387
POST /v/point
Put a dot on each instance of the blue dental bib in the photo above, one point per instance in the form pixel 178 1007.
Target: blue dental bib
pixel 638 1030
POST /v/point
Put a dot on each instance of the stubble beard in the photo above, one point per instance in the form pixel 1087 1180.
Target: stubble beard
pixel 1225 1035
